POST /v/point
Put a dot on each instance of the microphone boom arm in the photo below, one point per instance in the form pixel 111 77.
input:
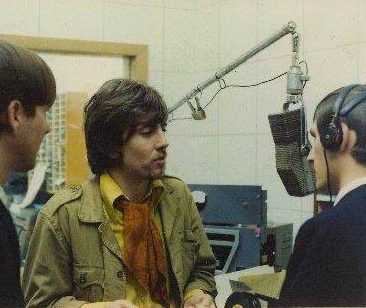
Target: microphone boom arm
pixel 289 28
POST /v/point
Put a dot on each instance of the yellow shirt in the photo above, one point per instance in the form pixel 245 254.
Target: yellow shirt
pixel 110 191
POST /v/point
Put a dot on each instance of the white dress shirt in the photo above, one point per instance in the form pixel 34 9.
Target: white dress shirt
pixel 349 187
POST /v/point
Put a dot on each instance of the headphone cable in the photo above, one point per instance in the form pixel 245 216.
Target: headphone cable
pixel 328 175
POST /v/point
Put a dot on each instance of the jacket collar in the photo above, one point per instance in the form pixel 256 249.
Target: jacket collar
pixel 168 206
pixel 91 209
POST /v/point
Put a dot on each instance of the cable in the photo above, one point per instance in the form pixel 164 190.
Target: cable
pixel 212 98
pixel 306 66
pixel 242 86
pixel 179 119
pixel 328 175
pixel 257 84
pixel 223 86
pixel 307 70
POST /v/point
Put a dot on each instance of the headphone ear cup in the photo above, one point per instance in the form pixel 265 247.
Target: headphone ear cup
pixel 332 137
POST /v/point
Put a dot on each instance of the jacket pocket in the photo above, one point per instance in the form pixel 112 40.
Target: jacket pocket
pixel 88 283
pixel 189 252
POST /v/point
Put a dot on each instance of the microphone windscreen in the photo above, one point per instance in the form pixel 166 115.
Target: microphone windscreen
pixel 296 173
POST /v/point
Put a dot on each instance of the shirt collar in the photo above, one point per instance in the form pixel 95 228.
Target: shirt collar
pixel 110 191
pixel 349 187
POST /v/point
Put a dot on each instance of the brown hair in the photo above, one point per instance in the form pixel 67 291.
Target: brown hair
pixel 112 115
pixel 24 76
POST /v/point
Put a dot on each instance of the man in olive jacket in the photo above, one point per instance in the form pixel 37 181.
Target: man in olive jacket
pixel 130 237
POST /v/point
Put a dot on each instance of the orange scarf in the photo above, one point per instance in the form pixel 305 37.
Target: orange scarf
pixel 144 249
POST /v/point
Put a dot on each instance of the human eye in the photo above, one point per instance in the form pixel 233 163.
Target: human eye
pixel 310 137
pixel 164 127
pixel 146 130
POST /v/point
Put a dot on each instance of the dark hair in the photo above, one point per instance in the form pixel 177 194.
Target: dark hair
pixel 355 119
pixel 24 76
pixel 112 115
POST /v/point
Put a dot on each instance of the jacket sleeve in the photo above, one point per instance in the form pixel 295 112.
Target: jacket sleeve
pixel 202 275
pixel 47 277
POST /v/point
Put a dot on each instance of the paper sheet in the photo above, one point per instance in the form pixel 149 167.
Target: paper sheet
pixel 265 284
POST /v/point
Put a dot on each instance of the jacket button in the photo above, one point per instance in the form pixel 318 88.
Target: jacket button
pixel 119 274
pixel 82 279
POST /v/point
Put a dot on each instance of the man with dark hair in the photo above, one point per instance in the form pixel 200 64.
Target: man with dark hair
pixel 131 236
pixel 27 92
pixel 328 265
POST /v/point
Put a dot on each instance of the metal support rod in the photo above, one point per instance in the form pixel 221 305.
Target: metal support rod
pixel 289 28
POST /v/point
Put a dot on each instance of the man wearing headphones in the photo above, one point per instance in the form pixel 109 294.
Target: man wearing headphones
pixel 328 265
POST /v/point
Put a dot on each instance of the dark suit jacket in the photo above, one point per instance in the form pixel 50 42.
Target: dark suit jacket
pixel 328 265
pixel 10 291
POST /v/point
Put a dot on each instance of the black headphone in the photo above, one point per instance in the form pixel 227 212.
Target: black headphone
pixel 332 135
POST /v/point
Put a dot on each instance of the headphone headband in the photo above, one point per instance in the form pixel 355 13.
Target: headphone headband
pixel 341 97
pixel 349 107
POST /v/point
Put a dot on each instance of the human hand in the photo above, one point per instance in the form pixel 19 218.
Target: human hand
pixel 200 301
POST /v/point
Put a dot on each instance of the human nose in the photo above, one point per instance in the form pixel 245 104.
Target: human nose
pixel 311 155
pixel 162 141
pixel 47 127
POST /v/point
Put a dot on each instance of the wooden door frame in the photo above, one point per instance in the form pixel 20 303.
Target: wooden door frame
pixel 138 53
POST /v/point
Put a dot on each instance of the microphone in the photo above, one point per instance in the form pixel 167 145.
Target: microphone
pixel 291 149
pixel 289 134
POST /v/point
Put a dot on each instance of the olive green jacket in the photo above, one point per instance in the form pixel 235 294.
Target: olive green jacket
pixel 74 257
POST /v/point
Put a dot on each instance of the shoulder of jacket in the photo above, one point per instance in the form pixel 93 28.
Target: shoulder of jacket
pixel 173 180
pixel 174 184
pixel 61 198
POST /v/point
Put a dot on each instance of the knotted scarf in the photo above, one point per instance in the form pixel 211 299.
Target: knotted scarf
pixel 144 250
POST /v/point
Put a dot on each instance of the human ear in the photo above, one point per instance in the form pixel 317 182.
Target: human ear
pixel 349 138
pixel 15 114
pixel 115 154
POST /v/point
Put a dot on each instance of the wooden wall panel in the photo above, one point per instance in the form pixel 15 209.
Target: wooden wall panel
pixel 77 169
